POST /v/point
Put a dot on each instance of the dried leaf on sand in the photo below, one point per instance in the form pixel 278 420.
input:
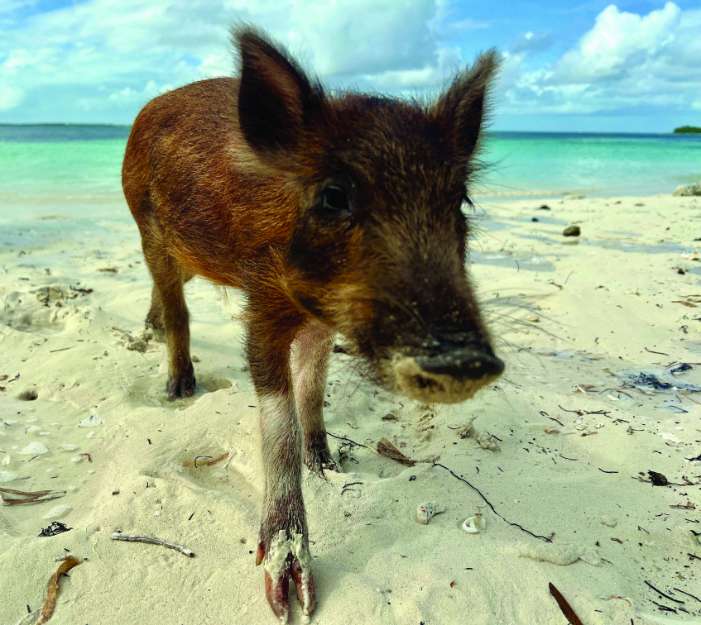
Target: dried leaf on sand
pixel 49 606
pixel 566 608
pixel 387 449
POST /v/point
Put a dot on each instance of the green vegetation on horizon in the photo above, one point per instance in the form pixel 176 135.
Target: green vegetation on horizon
pixel 687 130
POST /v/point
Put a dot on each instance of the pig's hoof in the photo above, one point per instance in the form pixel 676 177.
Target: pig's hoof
pixel 319 460
pixel 287 558
pixel 181 385
pixel 317 456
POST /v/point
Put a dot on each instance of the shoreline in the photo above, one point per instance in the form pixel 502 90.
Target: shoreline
pixel 82 203
pixel 561 445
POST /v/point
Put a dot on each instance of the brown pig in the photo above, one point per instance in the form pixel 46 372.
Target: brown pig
pixel 333 214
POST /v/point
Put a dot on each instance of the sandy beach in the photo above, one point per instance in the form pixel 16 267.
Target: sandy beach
pixel 560 448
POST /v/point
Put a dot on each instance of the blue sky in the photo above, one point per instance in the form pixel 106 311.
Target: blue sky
pixel 567 64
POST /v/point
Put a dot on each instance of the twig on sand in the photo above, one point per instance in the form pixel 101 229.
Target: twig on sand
pixel 652 351
pixel 12 497
pixel 150 540
pixel 347 440
pixel 581 413
pixel 662 594
pixel 566 608
pixel 49 606
pixel 349 487
pixel 547 539
pixel 688 594
pixel 205 461
pixel 664 608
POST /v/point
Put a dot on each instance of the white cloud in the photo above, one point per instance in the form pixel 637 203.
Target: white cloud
pixel 532 42
pixel 108 57
pixel 10 97
pixel 626 61
pixel 350 37
pixel 619 41
pixel 114 47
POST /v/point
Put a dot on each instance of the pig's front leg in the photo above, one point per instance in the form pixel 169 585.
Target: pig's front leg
pixel 283 546
pixel 310 355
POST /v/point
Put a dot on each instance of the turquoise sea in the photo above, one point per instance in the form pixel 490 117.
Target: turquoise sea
pixel 80 165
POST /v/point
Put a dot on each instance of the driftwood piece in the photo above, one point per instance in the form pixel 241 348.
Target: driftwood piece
pixel 150 540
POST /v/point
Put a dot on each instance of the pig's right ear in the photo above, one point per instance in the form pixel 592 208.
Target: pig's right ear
pixel 277 100
pixel 463 107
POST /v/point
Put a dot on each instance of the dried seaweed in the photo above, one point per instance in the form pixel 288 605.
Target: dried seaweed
pixel 12 497
pixel 650 382
pixel 49 606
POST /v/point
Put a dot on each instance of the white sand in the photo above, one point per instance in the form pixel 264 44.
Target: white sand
pixel 567 314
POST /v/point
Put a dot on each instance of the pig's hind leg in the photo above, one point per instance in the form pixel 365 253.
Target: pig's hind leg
pixel 310 356
pixel 168 313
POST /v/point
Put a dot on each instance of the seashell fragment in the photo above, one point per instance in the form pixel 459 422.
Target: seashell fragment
pixel 426 511
pixel 474 524
pixel 7 476
pixel 34 449
pixel 608 521
pixel 90 422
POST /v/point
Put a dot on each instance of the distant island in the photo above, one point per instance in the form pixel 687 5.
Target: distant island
pixel 687 130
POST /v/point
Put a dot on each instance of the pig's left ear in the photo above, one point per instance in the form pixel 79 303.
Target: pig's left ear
pixel 462 108
pixel 276 100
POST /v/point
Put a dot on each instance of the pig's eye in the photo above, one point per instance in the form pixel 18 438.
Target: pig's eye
pixel 334 199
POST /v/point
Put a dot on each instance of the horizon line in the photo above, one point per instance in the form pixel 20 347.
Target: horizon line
pixel 122 125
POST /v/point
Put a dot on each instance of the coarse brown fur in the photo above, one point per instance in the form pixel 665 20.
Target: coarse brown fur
pixel 332 214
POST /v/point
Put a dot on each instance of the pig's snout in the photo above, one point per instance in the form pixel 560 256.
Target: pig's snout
pixel 451 375
pixel 462 364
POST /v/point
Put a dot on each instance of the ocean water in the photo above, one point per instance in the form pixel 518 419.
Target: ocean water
pixel 79 166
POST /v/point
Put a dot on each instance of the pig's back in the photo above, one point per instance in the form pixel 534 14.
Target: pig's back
pixel 185 172
pixel 176 138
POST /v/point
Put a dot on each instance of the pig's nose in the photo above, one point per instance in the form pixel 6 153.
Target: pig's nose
pixel 462 363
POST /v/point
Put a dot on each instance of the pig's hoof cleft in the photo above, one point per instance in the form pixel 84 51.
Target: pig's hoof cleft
pixel 287 559
pixel 181 386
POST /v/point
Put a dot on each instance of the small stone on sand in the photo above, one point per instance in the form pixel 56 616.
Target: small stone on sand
pixel 29 395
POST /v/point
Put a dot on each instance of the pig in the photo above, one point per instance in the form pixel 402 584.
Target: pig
pixel 334 214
